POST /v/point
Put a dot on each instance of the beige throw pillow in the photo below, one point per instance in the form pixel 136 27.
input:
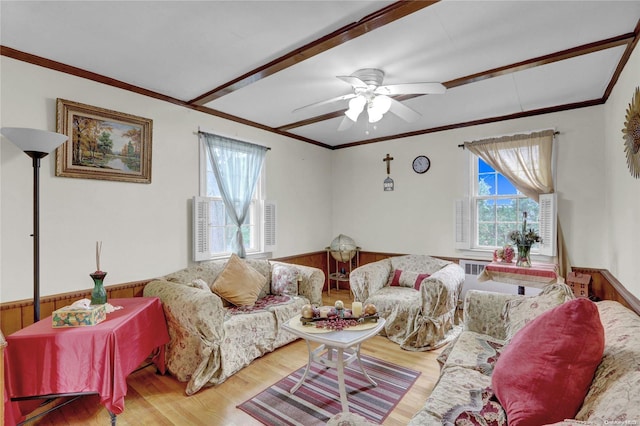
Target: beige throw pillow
pixel 239 283
pixel 518 312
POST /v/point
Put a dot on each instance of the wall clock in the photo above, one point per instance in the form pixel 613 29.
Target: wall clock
pixel 421 164
pixel 632 135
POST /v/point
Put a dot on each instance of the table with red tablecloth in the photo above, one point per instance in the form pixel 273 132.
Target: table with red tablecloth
pixel 538 275
pixel 41 360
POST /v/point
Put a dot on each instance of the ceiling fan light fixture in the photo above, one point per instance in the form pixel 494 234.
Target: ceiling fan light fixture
pixel 378 107
pixel 356 105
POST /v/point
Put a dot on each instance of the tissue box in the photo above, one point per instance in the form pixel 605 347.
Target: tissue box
pixel 75 317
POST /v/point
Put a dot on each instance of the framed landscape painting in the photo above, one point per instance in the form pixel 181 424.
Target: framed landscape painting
pixel 103 144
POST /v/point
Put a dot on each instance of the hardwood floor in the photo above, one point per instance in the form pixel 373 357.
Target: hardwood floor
pixel 160 400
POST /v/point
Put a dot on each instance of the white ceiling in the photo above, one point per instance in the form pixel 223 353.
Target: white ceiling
pixel 181 50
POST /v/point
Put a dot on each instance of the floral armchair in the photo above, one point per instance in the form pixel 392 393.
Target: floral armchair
pixel 416 294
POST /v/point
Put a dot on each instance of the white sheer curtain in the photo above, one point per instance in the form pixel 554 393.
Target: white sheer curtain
pixel 236 166
pixel 527 161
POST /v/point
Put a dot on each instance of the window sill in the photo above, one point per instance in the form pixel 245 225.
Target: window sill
pixel 487 254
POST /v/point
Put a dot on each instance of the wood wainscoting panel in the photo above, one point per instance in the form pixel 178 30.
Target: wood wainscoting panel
pixel 19 314
pixel 605 286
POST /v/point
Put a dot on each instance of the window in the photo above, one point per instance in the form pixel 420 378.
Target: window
pixel 494 207
pixel 497 208
pixel 214 231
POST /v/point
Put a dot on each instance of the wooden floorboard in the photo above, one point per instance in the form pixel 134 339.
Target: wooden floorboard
pixel 160 400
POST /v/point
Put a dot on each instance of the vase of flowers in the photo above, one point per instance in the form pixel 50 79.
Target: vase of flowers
pixel 523 240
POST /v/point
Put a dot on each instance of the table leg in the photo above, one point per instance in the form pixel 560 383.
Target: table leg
pixel 113 418
pixel 306 370
pixel 341 385
pixel 362 367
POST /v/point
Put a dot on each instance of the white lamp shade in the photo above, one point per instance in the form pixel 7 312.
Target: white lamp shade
pixel 378 107
pixel 33 139
pixel 356 105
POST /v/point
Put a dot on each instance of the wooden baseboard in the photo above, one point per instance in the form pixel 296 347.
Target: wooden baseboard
pixel 19 314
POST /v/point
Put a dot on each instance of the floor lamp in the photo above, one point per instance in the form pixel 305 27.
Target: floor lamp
pixel 36 144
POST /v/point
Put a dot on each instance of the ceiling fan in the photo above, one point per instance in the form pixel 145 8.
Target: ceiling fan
pixel 369 92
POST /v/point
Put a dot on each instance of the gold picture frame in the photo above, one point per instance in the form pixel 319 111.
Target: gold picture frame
pixel 103 144
pixel 631 133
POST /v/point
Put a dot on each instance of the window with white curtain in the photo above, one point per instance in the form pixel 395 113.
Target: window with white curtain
pixel 494 204
pixel 214 231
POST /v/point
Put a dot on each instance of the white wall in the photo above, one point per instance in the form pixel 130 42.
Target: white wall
pixel 622 201
pixel 145 229
pixel 417 217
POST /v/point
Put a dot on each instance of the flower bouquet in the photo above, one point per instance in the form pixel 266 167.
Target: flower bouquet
pixel 524 239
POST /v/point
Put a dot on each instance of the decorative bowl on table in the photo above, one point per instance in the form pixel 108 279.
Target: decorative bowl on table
pixel 314 314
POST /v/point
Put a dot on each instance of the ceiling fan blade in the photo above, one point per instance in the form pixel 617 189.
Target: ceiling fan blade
pixel 411 89
pixel 345 124
pixel 354 81
pixel 401 110
pixel 328 101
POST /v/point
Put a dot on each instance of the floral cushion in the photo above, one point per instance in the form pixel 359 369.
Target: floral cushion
pixel 284 280
pixel 518 312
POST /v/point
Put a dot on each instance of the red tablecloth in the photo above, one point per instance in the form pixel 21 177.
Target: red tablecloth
pixel 42 360
pixel 538 275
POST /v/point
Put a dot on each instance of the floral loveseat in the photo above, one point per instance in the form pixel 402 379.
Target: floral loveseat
pixel 466 393
pixel 416 294
pixel 211 339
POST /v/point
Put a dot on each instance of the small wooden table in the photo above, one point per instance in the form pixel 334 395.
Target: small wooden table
pixel 46 362
pixel 538 275
pixel 338 341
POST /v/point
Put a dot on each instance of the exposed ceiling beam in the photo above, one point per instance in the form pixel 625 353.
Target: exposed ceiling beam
pixel 349 32
pixel 544 60
pixel 478 122
pixel 629 39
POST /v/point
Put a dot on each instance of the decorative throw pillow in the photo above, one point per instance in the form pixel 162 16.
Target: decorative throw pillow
pixel 410 279
pixel 201 284
pixel 518 312
pixel 284 280
pixel 239 283
pixel 544 373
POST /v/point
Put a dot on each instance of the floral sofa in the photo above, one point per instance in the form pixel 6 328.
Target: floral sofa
pixel 416 294
pixel 498 325
pixel 211 338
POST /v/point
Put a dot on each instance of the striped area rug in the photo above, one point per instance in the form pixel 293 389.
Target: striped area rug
pixel 318 399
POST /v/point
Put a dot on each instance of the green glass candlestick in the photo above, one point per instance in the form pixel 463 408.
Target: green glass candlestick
pixel 99 294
